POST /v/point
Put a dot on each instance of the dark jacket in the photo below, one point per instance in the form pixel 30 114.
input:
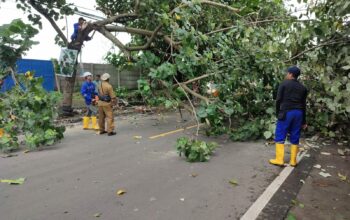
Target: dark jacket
pixel 291 95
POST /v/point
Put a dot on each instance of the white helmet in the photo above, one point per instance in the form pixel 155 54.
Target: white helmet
pixel 105 76
pixel 87 74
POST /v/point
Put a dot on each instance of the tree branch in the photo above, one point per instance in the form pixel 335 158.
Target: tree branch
pixel 207 101
pixel 316 46
pixel 253 23
pixel 42 11
pixel 196 79
pixel 156 31
pixel 115 40
pixel 137 5
pixel 193 108
pixel 149 41
pixel 115 18
pixel 216 4
pixel 144 32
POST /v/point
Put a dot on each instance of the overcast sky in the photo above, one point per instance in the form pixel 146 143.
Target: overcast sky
pixel 93 51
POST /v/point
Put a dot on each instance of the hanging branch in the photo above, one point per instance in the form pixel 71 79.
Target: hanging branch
pixel 193 108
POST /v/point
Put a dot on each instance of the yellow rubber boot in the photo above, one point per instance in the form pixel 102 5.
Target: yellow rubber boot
pixel 279 155
pixel 293 155
pixel 94 123
pixel 1 132
pixel 86 121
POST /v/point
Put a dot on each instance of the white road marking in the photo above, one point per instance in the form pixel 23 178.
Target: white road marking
pixel 255 209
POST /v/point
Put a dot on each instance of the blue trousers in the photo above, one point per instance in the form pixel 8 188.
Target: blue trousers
pixel 292 125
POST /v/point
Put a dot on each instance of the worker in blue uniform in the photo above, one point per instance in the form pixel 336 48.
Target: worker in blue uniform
pixel 90 95
pixel 79 27
pixel 291 114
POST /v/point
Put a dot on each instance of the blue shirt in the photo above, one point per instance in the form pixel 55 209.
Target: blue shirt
pixel 88 91
pixel 75 33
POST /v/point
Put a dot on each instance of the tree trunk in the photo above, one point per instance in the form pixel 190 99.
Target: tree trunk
pixel 68 90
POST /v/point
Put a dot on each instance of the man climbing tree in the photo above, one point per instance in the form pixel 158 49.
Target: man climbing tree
pixel 79 27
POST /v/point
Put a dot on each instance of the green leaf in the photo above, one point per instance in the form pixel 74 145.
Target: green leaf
pixel 228 110
pixel 202 113
pixel 270 111
pixel 233 182
pixel 267 134
pixel 291 217
pixel 168 104
pixel 194 150
pixel 346 67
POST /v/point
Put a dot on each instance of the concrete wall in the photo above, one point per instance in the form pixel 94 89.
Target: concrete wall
pixel 119 78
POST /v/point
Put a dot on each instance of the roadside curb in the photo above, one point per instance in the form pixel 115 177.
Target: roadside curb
pixel 281 202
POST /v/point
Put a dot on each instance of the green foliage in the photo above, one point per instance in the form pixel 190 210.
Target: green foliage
pixel 29 110
pixel 129 96
pixel 194 150
pixel 118 60
pixel 322 50
pixel 121 92
pixel 55 9
pixel 245 53
pixel 246 63
pixel 15 40
pixel 163 72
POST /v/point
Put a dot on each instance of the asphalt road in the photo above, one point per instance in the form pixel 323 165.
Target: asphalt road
pixel 79 177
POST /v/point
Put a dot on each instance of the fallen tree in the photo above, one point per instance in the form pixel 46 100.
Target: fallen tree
pixel 241 47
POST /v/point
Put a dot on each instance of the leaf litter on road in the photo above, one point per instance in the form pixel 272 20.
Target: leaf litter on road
pixel 326 153
pixel 297 203
pixel 194 174
pixel 317 166
pixel 121 192
pixel 9 155
pixel 291 217
pixel 18 181
pixel 342 177
pixel 97 215
pixel 325 175
pixel 233 182
pixel 341 152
